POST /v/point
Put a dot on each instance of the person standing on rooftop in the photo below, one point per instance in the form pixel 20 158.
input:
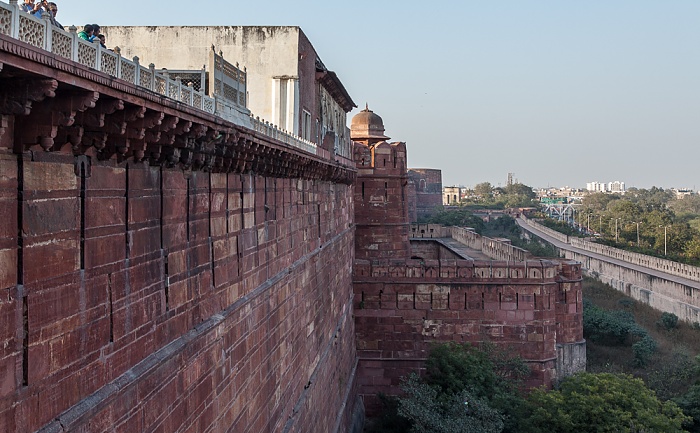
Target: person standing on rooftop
pixel 36 9
pixel 86 33
pixel 53 11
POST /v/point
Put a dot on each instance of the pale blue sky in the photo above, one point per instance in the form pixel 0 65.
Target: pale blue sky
pixel 558 92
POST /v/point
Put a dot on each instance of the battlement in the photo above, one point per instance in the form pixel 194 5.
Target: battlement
pixel 467 271
pixel 383 157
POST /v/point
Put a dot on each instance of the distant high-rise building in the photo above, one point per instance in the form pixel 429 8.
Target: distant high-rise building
pixel 596 187
pixel 614 187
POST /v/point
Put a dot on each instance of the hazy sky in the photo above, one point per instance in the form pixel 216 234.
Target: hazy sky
pixel 557 92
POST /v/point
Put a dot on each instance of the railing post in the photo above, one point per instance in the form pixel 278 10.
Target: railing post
pixel 14 24
pixel 190 94
pixel 48 33
pixel 245 87
pixel 74 43
pixel 98 54
pixel 178 80
pixel 137 71
pixel 238 85
pixel 166 75
pixel 118 52
pixel 152 67
pixel 220 90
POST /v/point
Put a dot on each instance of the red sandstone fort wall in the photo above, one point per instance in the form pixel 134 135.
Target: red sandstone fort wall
pixel 402 307
pixel 138 298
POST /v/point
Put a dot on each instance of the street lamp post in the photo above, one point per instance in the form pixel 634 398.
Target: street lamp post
pixel 665 238
pixel 637 222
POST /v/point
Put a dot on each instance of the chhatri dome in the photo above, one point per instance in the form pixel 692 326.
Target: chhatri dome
pixel 366 125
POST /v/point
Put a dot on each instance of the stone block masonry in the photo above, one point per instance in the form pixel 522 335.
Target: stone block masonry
pixel 156 300
pixel 162 270
pixel 403 307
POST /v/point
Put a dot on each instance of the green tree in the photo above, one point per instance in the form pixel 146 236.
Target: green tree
pixel 689 205
pixel 600 403
pixel 456 217
pixel 606 327
pixel 431 412
pixel 486 372
pixel 598 202
pixel 484 190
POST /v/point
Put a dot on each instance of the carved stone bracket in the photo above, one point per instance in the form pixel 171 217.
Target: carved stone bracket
pixel 115 125
pixel 17 94
pixel 93 123
pixel 136 132
pixel 165 152
pixel 41 125
pixel 160 136
pixel 185 144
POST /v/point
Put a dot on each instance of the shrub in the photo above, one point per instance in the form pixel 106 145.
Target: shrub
pixel 643 350
pixel 668 321
pixel 487 373
pixel 626 302
pixel 430 412
pixel 607 327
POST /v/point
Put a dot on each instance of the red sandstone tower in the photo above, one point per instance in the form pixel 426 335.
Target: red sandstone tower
pixel 381 202
pixel 403 304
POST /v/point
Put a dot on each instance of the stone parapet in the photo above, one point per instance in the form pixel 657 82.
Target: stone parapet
pixel 667 266
pixel 492 248
pixel 466 270
pixel 553 233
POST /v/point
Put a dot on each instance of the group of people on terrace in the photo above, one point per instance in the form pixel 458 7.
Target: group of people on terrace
pixel 49 10
pixel 42 9
pixel 91 33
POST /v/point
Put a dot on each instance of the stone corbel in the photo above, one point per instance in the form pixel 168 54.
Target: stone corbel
pixel 93 122
pixel 41 125
pixel 204 150
pixel 159 136
pixel 136 134
pixel 225 152
pixel 186 144
pixel 17 95
pixel 244 161
pixel 168 154
pixel 115 126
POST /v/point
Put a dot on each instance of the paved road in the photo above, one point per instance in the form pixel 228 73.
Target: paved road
pixel 650 271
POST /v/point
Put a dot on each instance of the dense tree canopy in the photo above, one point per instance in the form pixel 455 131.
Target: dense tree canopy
pixel 470 390
pixel 649 221
pixel 600 403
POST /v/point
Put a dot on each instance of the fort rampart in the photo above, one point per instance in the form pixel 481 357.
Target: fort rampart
pixel 163 270
pixel 402 307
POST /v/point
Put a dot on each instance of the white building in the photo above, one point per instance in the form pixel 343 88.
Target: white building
pixel 616 186
pixel 596 187
pixel 612 187
pixel 287 84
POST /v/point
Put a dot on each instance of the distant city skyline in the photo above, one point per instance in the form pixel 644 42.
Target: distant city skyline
pixel 560 93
